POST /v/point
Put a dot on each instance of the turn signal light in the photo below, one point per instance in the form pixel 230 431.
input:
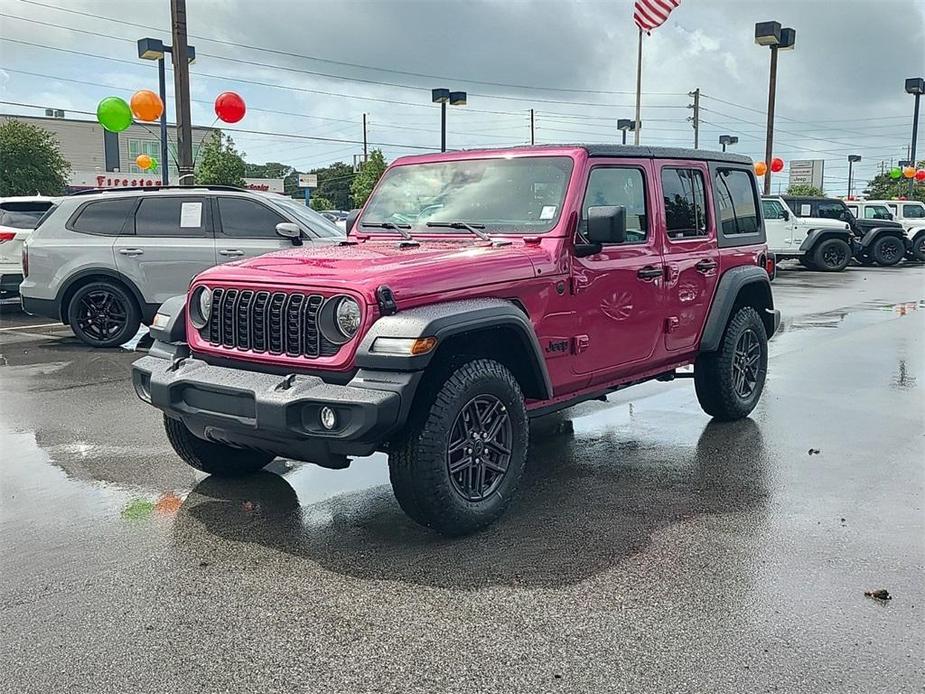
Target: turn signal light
pixel 423 345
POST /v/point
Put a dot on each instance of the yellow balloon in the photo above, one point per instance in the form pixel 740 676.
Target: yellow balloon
pixel 143 162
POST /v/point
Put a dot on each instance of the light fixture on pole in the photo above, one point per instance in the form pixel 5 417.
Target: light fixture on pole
pixel 852 159
pixel 915 86
pixel 728 140
pixel 154 49
pixel 776 38
pixel 444 97
pixel 626 125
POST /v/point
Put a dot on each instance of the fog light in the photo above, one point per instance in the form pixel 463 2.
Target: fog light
pixel 328 418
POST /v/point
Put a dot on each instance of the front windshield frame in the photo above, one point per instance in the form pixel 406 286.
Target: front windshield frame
pixel 368 223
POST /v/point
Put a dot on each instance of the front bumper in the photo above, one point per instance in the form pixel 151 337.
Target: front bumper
pixel 278 414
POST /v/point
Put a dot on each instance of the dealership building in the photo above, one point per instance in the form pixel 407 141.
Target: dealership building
pixel 101 159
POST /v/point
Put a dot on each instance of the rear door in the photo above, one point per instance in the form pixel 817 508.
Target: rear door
pixel 691 254
pixel 246 228
pixel 166 243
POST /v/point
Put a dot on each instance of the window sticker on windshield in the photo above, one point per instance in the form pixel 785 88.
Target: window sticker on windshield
pixel 190 215
pixel 548 212
pixel 805 210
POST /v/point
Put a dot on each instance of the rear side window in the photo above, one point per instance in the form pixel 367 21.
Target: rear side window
pixel 104 218
pixel 172 217
pixel 247 219
pixel 736 202
pixel 22 215
pixel 913 212
pixel 685 203
pixel 875 212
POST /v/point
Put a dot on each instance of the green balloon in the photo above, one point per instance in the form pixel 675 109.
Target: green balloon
pixel 896 172
pixel 114 114
pixel 153 166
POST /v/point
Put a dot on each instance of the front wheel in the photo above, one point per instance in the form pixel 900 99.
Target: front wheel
pixel 214 458
pixel 888 250
pixel 918 248
pixel 832 255
pixel 460 462
pixel 729 381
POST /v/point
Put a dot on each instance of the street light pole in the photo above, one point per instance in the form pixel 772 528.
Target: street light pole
pixel 916 86
pixel 772 35
pixel 444 97
pixel 181 92
pixel 852 158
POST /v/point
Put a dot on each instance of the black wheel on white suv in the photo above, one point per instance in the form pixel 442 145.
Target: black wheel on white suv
pixel 103 314
pixel 832 255
pixel 918 248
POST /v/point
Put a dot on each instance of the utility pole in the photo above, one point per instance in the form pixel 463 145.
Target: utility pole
pixel 364 137
pixel 695 119
pixel 532 138
pixel 769 145
pixel 181 92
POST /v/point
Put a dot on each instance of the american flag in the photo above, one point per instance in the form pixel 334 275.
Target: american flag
pixel 650 14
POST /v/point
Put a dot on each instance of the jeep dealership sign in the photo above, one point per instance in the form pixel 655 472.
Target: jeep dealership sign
pixel 807 172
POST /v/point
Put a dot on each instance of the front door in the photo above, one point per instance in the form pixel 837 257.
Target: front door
pixel 246 228
pixel 778 225
pixel 618 292
pixel 167 243
pixel 691 255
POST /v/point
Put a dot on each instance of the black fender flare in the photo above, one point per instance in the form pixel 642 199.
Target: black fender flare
pixel 820 234
pixel 445 320
pixel 878 232
pixel 730 285
pixel 146 311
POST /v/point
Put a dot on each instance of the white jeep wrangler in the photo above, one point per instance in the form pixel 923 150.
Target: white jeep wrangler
pixel 911 214
pixel 817 243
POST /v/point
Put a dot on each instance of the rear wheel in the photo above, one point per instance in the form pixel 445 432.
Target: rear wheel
pixel 832 255
pixel 918 248
pixel 103 314
pixel 888 250
pixel 729 381
pixel 214 458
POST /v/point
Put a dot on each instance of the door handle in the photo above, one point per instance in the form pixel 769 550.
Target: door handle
pixel 131 251
pixel 649 272
pixel 706 265
pixel 231 252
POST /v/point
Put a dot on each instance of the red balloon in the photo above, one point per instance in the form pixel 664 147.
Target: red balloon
pixel 777 164
pixel 229 107
pixel 920 175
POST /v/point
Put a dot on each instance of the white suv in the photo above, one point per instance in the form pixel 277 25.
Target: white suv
pixel 816 242
pixel 911 214
pixel 18 217
pixel 103 262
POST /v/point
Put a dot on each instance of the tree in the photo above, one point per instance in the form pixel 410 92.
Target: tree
pixel 334 183
pixel 30 161
pixel 275 169
pixel 319 203
pixel 805 189
pixel 367 177
pixel 882 187
pixel 221 163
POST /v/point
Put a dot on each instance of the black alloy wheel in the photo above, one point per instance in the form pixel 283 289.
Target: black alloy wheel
pixel 918 248
pixel 832 255
pixel 479 451
pixel 888 250
pixel 745 364
pixel 103 314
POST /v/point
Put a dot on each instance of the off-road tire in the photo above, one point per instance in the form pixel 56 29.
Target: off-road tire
pixel 918 248
pixel 129 315
pixel 714 374
pixel 888 250
pixel 832 255
pixel 213 458
pixel 419 459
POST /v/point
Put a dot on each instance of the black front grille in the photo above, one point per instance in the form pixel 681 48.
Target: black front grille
pixel 267 322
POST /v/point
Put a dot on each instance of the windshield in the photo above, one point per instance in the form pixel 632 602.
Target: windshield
pixel 524 194
pixel 315 221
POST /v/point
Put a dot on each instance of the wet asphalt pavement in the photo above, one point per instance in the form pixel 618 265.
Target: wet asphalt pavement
pixel 649 549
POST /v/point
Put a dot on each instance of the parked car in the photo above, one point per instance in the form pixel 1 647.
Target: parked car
pixel 339 217
pixel 544 277
pixel 18 217
pixel 911 214
pixel 103 262
pixel 880 241
pixel 816 242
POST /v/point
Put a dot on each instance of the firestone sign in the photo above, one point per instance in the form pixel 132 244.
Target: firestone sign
pixel 113 179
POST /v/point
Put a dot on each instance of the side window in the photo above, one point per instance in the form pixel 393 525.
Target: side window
pixel 772 209
pixel 248 219
pixel 105 218
pixel 685 203
pixel 618 186
pixel 736 201
pixel 854 210
pixel 830 210
pixel 913 212
pixel 176 217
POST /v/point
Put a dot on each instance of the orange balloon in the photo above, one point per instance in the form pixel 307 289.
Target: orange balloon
pixel 146 105
pixel 143 162
pixel 761 168
pixel 908 171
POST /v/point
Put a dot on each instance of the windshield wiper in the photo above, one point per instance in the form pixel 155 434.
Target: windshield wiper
pixel 400 228
pixel 474 228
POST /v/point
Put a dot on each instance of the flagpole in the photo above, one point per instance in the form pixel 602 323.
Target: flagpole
pixel 638 89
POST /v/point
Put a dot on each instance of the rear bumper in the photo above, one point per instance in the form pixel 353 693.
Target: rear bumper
pixel 9 282
pixel 278 414
pixel 40 307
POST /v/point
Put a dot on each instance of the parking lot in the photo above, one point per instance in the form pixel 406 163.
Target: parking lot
pixel 650 549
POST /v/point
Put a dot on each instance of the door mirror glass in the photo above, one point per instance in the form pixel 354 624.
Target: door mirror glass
pixel 290 231
pixel 785 215
pixel 351 220
pixel 607 224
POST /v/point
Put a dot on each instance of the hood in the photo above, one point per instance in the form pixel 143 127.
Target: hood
pixel 868 224
pixel 434 266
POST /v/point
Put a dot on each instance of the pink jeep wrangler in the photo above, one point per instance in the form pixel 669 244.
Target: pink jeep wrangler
pixel 475 290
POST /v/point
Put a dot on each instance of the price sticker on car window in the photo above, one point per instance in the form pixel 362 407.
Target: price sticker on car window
pixel 190 215
pixel 548 212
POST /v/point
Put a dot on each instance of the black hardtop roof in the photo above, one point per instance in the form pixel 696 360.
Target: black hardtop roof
pixel 813 197
pixel 641 151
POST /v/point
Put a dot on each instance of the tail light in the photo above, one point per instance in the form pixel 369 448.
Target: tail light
pixel 7 236
pixel 25 260
pixel 770 264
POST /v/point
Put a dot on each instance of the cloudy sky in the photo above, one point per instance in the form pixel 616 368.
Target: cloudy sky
pixel 311 69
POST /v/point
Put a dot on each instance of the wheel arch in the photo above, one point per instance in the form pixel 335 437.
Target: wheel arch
pixel 746 285
pixel 86 276
pixel 816 236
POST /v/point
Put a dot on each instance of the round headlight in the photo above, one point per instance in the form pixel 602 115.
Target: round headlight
pixel 200 308
pixel 347 317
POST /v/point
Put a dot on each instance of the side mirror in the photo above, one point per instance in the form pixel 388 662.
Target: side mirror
pixel 290 231
pixel 351 220
pixel 785 216
pixel 607 224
